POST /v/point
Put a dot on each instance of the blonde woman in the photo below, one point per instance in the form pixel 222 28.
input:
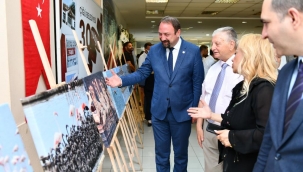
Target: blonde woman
pixel 246 116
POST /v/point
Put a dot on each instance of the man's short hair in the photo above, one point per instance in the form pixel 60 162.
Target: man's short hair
pixel 126 44
pixel 203 47
pixel 147 44
pixel 282 6
pixel 230 32
pixel 174 21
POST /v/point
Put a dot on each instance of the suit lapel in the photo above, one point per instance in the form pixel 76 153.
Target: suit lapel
pixel 296 120
pixel 180 58
pixel 279 103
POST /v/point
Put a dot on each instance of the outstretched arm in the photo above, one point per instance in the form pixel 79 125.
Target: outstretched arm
pixel 204 112
pixel 113 81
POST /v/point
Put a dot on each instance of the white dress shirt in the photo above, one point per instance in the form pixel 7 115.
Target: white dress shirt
pixel 230 81
pixel 207 63
pixel 175 52
pixel 141 59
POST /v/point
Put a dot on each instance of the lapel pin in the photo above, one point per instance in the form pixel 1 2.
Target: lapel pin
pixel 183 52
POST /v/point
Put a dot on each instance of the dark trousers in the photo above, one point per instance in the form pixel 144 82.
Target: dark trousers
pixel 147 104
pixel 165 131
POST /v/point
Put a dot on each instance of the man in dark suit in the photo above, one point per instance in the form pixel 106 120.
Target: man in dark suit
pixel 178 73
pixel 282 145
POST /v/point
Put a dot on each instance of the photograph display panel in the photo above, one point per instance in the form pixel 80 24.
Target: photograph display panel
pixel 63 128
pixel 13 156
pixel 116 94
pixel 102 106
pixel 120 72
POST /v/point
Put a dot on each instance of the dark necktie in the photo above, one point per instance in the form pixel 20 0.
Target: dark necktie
pixel 294 98
pixel 216 90
pixel 170 61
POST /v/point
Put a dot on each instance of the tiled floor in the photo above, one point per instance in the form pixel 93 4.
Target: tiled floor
pixel 195 153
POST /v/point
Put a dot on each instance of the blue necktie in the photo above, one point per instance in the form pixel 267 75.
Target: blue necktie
pixel 216 90
pixel 170 61
pixel 294 98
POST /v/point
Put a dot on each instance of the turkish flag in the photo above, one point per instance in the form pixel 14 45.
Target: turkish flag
pixel 37 10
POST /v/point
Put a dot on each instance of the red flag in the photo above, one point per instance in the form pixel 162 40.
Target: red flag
pixel 37 10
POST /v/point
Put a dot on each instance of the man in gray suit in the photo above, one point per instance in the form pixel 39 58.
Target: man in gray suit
pixel 178 73
pixel 282 145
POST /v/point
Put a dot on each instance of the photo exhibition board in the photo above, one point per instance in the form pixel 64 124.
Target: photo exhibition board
pixel 13 156
pixel 125 91
pixel 102 106
pixel 62 122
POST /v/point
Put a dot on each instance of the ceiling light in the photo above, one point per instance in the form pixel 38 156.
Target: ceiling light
pixel 154 11
pixel 226 1
pixel 210 12
pixel 207 34
pixel 152 21
pixel 199 22
pixel 244 22
pixel 156 1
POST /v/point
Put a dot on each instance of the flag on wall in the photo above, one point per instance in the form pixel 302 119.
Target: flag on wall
pixel 37 10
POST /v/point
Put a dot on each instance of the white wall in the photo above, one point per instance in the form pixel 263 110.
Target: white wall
pixel 4 70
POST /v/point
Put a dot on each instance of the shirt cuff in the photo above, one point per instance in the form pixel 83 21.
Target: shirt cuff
pixel 121 83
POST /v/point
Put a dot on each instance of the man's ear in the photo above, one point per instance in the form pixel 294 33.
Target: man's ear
pixel 297 18
pixel 178 33
pixel 232 45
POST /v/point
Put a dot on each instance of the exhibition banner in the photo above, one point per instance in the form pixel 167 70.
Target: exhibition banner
pixel 85 17
pixel 37 10
pixel 13 156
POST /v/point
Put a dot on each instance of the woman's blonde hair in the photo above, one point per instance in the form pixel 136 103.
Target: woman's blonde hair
pixel 258 60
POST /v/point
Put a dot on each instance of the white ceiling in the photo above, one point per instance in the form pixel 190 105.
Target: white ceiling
pixel 189 13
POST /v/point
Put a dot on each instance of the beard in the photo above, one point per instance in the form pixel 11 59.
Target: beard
pixel 166 43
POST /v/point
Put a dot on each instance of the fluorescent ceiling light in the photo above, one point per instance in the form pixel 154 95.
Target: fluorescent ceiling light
pixel 154 11
pixel 156 1
pixel 226 1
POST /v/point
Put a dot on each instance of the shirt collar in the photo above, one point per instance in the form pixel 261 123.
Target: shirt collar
pixel 300 58
pixel 178 45
pixel 229 62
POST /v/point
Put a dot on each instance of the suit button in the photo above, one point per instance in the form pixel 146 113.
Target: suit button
pixel 278 157
pixel 167 98
pixel 170 85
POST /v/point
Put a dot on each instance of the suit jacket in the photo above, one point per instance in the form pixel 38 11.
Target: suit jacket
pixel 246 117
pixel 182 89
pixel 278 153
